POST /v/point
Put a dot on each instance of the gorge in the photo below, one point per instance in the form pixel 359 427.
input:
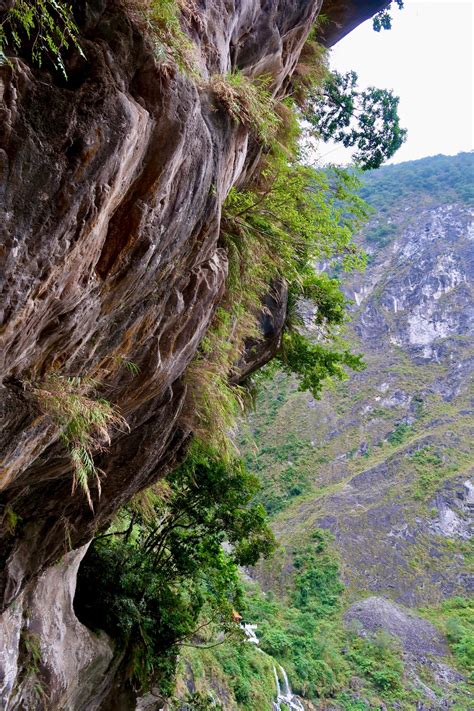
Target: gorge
pixel 126 159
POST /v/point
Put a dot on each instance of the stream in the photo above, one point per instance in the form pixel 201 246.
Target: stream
pixel 285 698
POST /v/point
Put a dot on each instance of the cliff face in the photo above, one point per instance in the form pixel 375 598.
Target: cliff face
pixel 114 185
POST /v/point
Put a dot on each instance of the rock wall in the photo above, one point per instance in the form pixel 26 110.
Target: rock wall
pixel 114 185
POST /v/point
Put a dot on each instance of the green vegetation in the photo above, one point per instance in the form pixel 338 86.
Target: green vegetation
pixel 383 19
pixel 30 654
pixel 196 702
pixel 248 102
pixel 164 578
pixel 10 519
pixel 236 667
pixel 400 433
pixel 273 232
pixel 455 617
pixel 429 468
pixel 365 120
pixel 160 576
pixel 381 234
pixel 84 423
pixel 306 635
pixel 437 180
pixel 160 22
pixel 45 27
pixel 313 363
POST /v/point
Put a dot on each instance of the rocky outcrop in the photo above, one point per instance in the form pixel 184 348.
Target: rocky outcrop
pixel 40 629
pixel 272 319
pixel 115 181
pixel 389 453
pixel 344 15
pixel 422 647
pixel 417 636
pixel 115 185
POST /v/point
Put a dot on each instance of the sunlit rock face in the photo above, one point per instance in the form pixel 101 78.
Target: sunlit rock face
pixel 384 460
pixel 425 281
pixel 115 183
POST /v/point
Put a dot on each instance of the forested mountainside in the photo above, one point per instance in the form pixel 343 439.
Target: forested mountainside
pixel 367 601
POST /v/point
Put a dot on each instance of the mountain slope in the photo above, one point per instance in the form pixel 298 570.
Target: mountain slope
pixel 383 461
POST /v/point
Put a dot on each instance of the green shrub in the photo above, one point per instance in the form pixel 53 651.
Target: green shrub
pixel 456 616
pixel 429 470
pixel 379 659
pixel 400 433
pixel 161 573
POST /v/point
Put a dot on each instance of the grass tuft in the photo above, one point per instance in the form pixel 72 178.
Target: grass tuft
pixel 85 423
pixel 248 102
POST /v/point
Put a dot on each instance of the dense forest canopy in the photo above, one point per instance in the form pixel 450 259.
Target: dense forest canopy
pixel 439 179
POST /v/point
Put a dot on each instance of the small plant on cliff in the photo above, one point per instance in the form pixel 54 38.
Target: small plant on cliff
pixel 213 402
pixel 160 20
pixel 247 101
pixel 45 27
pixel 30 663
pixel 84 421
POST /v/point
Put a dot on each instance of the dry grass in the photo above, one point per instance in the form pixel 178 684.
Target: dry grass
pixel 248 102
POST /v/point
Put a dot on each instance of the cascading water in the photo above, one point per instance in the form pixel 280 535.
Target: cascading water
pixel 285 697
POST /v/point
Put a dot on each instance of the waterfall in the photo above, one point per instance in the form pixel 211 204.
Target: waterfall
pixel 285 697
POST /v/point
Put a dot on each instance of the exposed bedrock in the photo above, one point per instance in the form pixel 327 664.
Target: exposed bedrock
pixel 115 185
pixel 111 208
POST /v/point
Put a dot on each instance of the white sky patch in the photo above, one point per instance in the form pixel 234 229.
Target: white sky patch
pixel 427 60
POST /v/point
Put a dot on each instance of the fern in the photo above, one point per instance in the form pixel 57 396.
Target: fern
pixel 47 26
pixel 84 422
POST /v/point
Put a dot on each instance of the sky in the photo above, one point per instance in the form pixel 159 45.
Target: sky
pixel 427 59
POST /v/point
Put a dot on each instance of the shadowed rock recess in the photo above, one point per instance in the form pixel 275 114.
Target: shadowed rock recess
pixel 114 182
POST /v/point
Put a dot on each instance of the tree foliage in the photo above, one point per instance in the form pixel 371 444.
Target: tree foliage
pixel 293 217
pixel 366 120
pixel 46 27
pixel 307 636
pixel 161 572
pixel 383 19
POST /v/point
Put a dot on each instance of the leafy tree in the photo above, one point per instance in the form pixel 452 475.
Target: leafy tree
pixel 312 363
pixel 366 120
pixel 383 19
pixel 293 217
pixel 161 574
